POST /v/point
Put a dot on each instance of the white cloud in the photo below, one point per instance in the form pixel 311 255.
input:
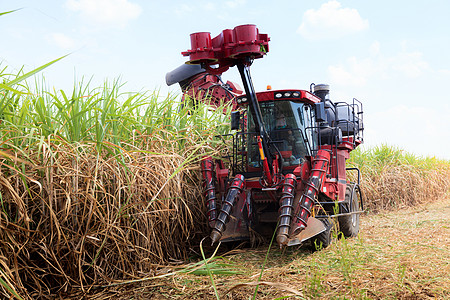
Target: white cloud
pixel 374 49
pixel 113 13
pixel 444 72
pixel 235 3
pixel 61 40
pixel 410 64
pixel 184 9
pixel 209 6
pixel 359 71
pixel 355 72
pixel 331 21
pixel 412 128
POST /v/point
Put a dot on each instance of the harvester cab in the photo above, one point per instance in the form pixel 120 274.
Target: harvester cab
pixel 287 170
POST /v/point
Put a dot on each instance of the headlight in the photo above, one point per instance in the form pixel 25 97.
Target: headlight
pixel 278 95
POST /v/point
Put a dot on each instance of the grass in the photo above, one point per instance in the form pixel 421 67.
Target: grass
pixel 392 178
pixel 97 184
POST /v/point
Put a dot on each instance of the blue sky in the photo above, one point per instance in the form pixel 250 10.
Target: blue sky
pixel 392 55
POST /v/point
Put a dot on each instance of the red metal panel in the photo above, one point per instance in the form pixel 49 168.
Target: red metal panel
pixel 305 96
pixel 243 40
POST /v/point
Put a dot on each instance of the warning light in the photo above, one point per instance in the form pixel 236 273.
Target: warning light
pixel 269 87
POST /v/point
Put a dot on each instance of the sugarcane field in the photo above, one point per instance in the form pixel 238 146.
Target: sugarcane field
pixel 235 150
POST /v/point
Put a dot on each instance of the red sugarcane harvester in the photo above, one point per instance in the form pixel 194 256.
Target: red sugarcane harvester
pixel 287 168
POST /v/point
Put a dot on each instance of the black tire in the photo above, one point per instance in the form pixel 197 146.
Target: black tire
pixel 323 239
pixel 349 225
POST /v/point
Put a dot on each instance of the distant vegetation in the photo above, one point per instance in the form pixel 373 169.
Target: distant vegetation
pixel 392 178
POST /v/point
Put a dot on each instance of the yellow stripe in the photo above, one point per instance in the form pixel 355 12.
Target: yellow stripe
pixel 261 152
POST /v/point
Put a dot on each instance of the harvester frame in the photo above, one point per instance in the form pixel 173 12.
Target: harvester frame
pixel 287 169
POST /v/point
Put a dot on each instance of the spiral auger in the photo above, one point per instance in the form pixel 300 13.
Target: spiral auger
pixel 207 170
pixel 230 200
pixel 286 209
pixel 313 185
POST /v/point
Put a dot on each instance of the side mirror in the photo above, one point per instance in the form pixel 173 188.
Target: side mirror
pixel 320 112
pixel 235 120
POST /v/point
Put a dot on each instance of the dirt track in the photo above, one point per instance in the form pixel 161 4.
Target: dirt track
pixel 414 251
pixel 399 255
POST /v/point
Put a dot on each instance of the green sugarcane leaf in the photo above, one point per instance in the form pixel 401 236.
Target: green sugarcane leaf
pixel 8 12
pixel 33 72
pixel 8 88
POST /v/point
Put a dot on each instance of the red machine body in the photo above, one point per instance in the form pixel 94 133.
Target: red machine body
pixel 288 169
pixel 227 47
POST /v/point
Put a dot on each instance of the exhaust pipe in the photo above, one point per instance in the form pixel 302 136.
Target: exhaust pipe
pixel 322 91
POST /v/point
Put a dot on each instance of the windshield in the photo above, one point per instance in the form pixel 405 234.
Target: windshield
pixel 285 122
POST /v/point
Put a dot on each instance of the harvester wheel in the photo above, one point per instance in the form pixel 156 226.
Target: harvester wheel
pixel 349 225
pixel 323 239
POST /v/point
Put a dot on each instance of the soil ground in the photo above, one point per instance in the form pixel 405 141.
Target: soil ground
pixel 398 255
